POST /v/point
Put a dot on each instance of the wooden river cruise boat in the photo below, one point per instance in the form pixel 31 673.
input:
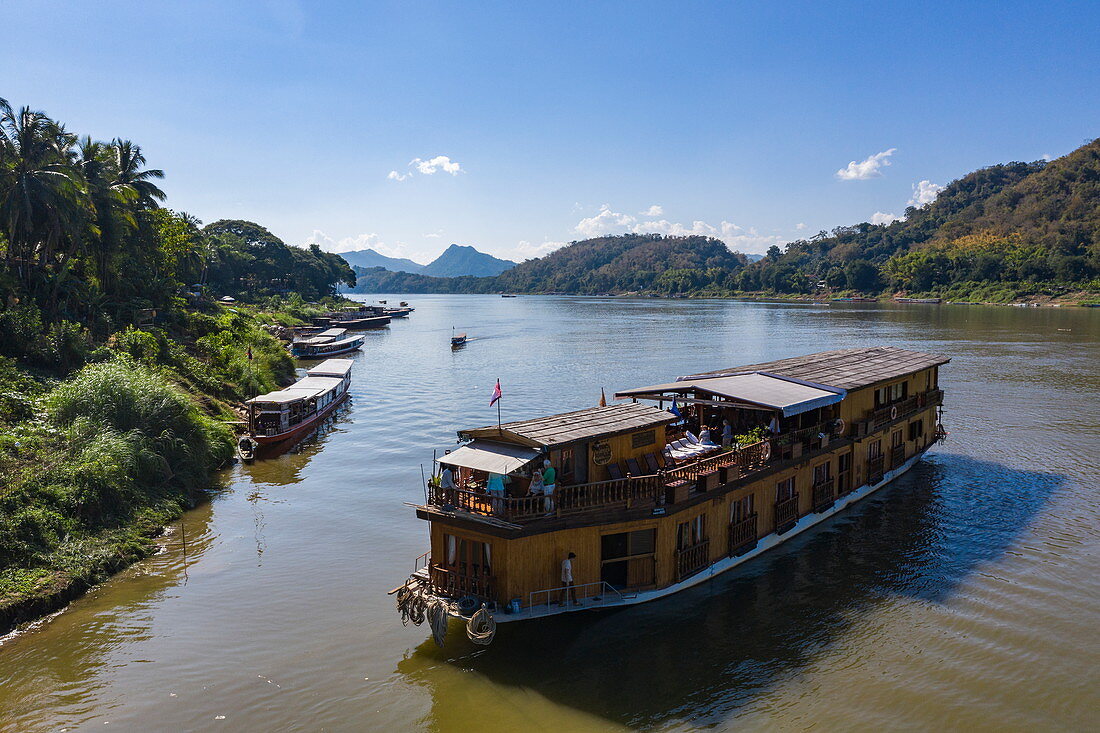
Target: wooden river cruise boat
pixel 288 414
pixel 644 504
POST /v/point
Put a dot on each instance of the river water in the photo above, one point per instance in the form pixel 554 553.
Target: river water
pixel 964 596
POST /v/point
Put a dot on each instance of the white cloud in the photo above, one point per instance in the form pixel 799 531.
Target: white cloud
pixel 440 162
pixel 433 235
pixel 428 167
pixel 655 210
pixel 735 236
pixel 526 250
pixel 881 217
pixel 868 168
pixel 924 192
pixel 605 222
pixel 356 243
pixel 800 226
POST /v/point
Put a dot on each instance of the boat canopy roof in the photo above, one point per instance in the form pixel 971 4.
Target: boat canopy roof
pixel 788 396
pixel 333 332
pixel 844 368
pixel 570 427
pixel 487 455
pixel 303 389
pixel 331 368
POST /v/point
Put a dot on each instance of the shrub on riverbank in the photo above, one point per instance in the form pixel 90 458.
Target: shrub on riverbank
pixel 120 452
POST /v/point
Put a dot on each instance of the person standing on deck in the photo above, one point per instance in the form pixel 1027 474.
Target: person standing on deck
pixel 495 489
pixel 549 483
pixel 568 588
pixel 727 434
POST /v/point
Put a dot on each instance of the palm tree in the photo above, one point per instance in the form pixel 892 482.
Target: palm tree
pixel 42 195
pixel 112 202
pixel 129 160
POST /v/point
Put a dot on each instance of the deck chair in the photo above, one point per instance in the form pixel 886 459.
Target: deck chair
pixel 614 472
pixel 633 468
pixel 652 462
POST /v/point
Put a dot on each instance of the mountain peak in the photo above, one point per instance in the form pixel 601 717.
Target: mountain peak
pixel 460 259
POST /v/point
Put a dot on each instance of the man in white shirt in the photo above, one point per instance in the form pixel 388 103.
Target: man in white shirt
pixel 567 586
pixel 446 479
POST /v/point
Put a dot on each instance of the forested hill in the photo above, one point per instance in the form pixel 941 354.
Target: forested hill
pixel 1005 232
pixel 613 264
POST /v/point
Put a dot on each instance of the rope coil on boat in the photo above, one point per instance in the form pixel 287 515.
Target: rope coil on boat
pixel 481 628
pixel 437 619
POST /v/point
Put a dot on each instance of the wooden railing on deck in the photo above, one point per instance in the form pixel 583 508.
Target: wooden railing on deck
pixel 451 584
pixel 906 407
pixel 823 495
pixel 691 560
pixel 897 456
pixel 874 469
pixel 786 511
pixel 742 536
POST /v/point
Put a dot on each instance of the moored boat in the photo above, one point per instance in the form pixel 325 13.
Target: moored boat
pixel 289 413
pixel 360 318
pixel 310 349
pixel 618 505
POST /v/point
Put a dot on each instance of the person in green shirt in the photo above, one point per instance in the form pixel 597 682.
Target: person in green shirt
pixel 549 483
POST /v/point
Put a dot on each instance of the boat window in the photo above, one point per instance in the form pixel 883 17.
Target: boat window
pixel 896 439
pixel 741 509
pixel 822 472
pixel 844 462
pixel 628 544
pixel 874 450
pixel 567 468
pixel 784 489
pixel 916 429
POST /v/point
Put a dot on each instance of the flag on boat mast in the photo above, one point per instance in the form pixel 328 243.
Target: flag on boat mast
pixel 496 394
pixel 603 398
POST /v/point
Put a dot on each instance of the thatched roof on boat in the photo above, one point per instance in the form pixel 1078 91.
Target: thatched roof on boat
pixel 570 427
pixel 844 368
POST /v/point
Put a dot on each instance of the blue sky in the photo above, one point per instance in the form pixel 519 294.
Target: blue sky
pixel 515 126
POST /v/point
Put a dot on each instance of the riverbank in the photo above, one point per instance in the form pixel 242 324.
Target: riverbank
pixel 98 460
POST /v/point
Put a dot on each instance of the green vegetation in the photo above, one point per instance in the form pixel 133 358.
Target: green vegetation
pixel 118 368
pixel 1004 233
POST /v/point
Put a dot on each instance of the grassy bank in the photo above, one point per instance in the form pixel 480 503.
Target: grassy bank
pixel 96 459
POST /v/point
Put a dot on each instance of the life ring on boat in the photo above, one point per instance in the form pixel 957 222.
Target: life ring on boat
pixel 767 450
pixel 838 426
pixel 894 412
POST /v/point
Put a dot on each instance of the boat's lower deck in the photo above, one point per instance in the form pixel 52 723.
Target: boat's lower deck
pixel 601 595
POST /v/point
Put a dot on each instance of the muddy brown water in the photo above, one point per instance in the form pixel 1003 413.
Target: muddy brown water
pixel 964 596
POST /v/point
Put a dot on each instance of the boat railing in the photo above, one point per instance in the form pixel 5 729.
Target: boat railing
pixel 786 511
pixel 452 584
pixel 823 496
pixel 742 535
pixel 875 469
pixel 692 559
pixel 599 592
pixel 889 413
pixel 422 562
pixel 897 455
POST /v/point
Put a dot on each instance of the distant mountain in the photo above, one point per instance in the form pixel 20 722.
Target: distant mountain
pixel 460 261
pixel 612 264
pixel 369 258
pixel 456 261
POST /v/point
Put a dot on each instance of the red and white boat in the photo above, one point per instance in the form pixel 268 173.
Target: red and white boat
pixel 290 413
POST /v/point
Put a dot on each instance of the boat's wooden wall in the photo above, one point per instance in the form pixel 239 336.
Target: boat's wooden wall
pixel 622 449
pixel 533 563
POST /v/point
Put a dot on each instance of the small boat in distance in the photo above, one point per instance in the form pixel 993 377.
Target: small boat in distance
pixel 506 296
pixel 290 413
pixel 934 301
pixel 306 349
pixel 457 339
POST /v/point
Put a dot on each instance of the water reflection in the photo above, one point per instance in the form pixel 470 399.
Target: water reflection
pixel 283 464
pixel 714 648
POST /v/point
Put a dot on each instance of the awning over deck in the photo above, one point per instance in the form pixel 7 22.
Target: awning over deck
pixel 486 455
pixel 790 397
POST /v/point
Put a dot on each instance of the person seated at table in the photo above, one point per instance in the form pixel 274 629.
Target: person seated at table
pixel 536 487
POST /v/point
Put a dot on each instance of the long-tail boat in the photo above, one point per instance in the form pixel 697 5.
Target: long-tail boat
pixel 360 318
pixel 288 414
pixel 646 503
pixel 320 347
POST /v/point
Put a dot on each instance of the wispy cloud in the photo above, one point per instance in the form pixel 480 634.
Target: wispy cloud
pixel 527 250
pixel 869 167
pixel 800 226
pixel 924 192
pixel 428 167
pixel 655 210
pixel 356 243
pixel 881 217
pixel 738 238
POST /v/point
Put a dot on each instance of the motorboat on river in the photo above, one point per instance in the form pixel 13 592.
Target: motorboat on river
pixel 288 414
